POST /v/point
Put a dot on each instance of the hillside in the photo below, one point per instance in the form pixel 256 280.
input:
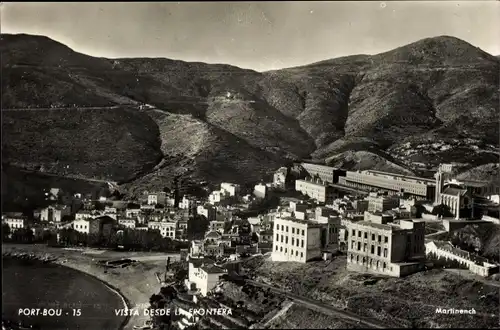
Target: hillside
pixel 431 101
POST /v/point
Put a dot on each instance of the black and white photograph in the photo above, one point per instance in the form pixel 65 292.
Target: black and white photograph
pixel 250 165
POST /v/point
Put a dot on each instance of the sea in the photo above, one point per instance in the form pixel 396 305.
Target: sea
pixel 32 287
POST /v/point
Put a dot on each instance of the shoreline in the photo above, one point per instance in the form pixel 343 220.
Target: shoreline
pixel 125 301
pixel 118 281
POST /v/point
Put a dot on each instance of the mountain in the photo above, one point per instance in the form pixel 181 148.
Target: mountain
pixel 431 101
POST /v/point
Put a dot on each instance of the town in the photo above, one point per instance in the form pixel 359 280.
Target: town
pixel 378 223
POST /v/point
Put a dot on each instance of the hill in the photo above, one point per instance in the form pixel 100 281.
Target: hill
pixel 431 101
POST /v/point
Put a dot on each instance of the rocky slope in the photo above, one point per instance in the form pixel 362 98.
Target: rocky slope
pixel 431 101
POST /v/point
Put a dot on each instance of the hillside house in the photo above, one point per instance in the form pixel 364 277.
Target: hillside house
pixel 15 220
pixel 55 213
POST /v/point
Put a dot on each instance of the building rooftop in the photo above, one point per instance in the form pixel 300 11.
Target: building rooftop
pixel 454 191
pixel 409 177
pixel 213 234
pixel 388 226
pixel 211 269
pixel 304 222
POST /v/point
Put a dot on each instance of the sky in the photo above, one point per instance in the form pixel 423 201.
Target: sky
pixel 255 35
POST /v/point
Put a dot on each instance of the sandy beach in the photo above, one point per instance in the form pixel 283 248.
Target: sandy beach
pixel 135 283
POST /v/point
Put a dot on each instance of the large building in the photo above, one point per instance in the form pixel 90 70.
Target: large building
pixel 316 189
pixel 325 173
pixel 420 188
pixel 393 249
pixel 303 240
pixel 458 196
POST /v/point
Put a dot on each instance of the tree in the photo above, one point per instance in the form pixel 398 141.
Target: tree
pixel 5 232
pixel 255 238
pixel 196 227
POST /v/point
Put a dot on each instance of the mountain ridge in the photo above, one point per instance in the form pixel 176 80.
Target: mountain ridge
pixel 372 105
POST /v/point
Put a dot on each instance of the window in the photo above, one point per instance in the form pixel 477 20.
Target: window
pixel 359 233
pixel 352 244
pixel 293 230
pixel 302 243
pixel 372 249
pixel 281 249
pixel 276 248
pixel 286 240
pixel 364 247
pixel 373 237
pixel 301 254
pixel 303 232
pixel 385 253
pixel 293 240
pixel 353 232
pixel 366 235
pixel 296 253
pixel 286 229
pixel 285 250
pixel 281 238
pixel 386 239
pixel 277 236
pixel 379 238
pixel 378 250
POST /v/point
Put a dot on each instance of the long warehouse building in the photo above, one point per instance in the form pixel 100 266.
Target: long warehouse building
pixel 420 188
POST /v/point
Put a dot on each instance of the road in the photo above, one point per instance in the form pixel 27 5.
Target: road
pixel 69 176
pixel 114 107
pixel 322 307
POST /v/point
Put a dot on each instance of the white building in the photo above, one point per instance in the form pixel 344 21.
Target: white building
pixel 279 178
pixel 230 189
pixel 208 211
pixel 157 198
pixel 54 213
pixel 296 240
pixel 81 215
pixel 132 213
pixel 217 226
pixel 260 190
pixel 127 223
pixel 186 203
pixel 167 229
pixel 111 212
pixel 15 220
pixel 197 248
pixel 316 189
pixel 216 196
pixel 204 274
